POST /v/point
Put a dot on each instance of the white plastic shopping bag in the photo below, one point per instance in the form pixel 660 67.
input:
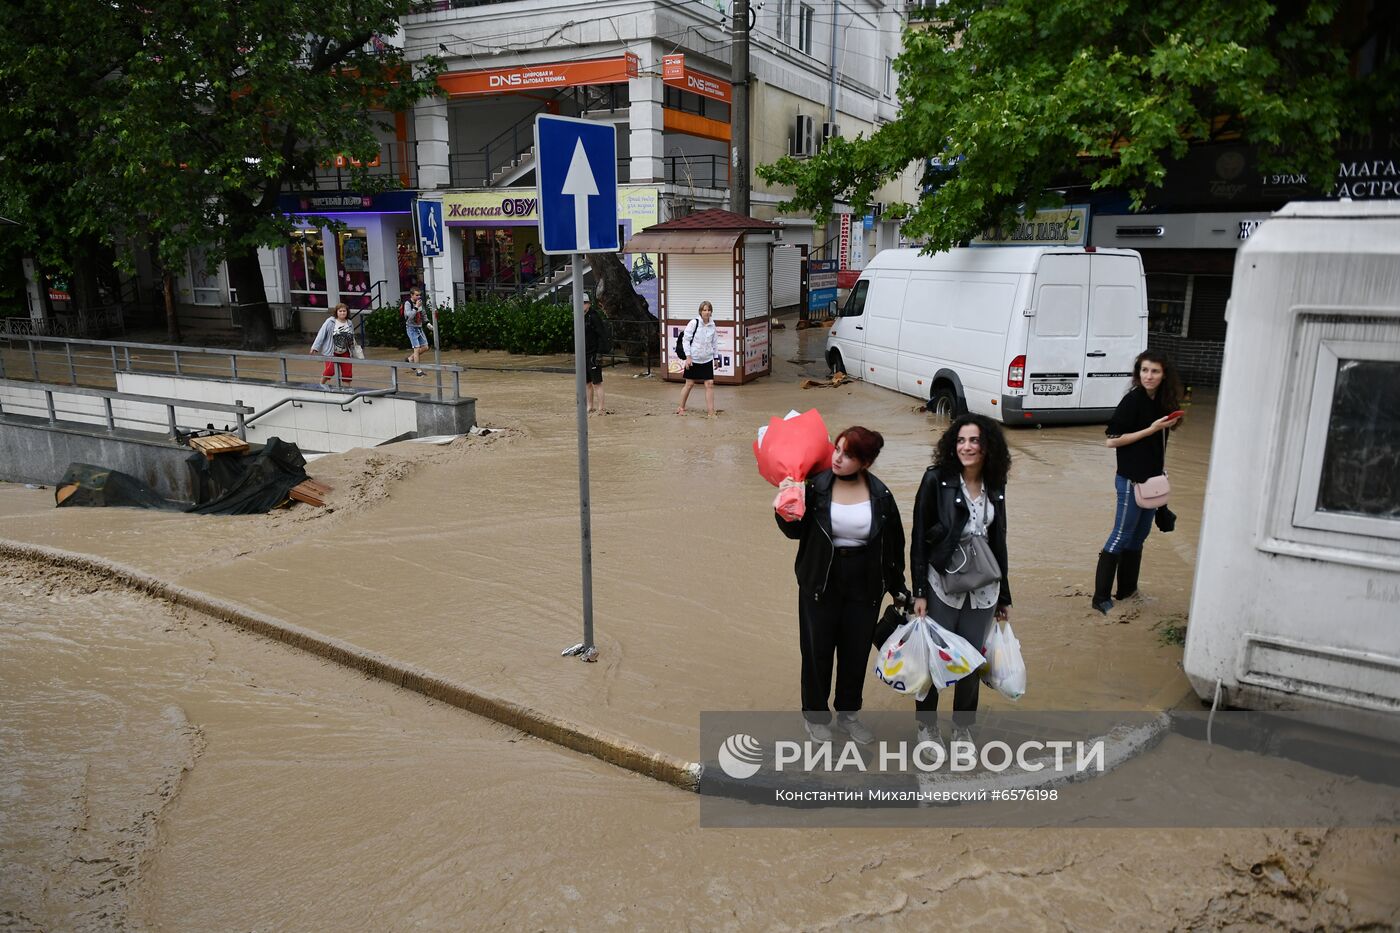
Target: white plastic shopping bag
pixel 903 660
pixel 1006 669
pixel 950 657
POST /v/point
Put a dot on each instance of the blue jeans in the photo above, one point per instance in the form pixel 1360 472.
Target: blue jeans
pixel 1131 525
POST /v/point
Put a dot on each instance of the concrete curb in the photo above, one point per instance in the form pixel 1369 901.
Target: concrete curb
pixel 613 750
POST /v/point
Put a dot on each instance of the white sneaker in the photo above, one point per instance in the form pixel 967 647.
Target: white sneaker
pixel 963 734
pixel 858 731
pixel 818 732
pixel 929 733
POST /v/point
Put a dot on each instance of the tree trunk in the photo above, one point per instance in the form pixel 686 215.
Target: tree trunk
pixel 172 317
pixel 252 310
pixel 635 330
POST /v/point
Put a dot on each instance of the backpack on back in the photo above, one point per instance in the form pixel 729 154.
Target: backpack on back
pixel 680 338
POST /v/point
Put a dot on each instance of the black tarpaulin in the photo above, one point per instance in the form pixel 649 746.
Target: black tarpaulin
pixel 229 484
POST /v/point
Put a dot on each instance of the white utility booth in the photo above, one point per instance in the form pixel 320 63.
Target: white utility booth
pixel 1297 595
pixel 726 259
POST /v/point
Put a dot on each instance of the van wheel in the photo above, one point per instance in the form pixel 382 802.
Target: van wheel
pixel 838 365
pixel 944 402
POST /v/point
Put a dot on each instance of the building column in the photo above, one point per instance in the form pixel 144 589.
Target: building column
pixel 647 139
pixel 431 128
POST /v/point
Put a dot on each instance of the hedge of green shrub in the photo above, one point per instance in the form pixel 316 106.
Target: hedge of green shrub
pixel 519 325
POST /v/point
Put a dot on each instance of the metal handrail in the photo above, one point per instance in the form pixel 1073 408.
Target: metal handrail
pixel 110 395
pixel 125 348
pixel 297 401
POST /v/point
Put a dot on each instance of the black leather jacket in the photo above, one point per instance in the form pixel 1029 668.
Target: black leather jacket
pixel 884 553
pixel 940 515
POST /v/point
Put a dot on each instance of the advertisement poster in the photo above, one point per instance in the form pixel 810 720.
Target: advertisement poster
pixel 756 340
pixel 821 286
pixel 637 209
pixel 724 350
pixel 1068 226
pixel 844 244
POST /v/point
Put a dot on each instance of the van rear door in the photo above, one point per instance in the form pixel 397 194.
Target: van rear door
pixel 1117 328
pixel 1056 337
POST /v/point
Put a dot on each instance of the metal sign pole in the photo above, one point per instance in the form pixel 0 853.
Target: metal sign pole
pixel 586 649
pixel 437 344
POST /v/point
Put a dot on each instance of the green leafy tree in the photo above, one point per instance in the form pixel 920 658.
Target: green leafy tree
pixel 1016 97
pixel 208 112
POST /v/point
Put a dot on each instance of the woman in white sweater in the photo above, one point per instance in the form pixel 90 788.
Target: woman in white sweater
pixel 336 339
pixel 700 342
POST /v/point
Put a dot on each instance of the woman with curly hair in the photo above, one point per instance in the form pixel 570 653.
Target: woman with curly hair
pixel 1145 412
pixel 963 493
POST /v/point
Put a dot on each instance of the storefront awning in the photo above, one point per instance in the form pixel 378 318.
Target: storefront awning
pixel 683 241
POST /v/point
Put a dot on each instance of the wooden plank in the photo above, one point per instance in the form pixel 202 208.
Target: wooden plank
pixel 219 444
pixel 311 492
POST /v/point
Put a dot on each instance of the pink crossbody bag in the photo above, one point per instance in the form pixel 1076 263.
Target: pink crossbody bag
pixel 1153 492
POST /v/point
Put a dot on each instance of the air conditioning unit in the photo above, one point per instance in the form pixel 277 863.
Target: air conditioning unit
pixel 804 136
pixel 830 131
pixel 877 210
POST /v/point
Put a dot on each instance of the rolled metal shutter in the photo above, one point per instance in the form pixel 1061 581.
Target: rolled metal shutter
pixel 787 276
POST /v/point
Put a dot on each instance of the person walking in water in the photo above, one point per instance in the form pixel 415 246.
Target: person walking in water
pixel 1137 432
pixel 593 374
pixel 336 339
pixel 415 316
pixel 700 343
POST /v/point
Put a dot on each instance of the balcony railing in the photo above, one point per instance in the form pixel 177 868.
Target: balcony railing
pixel 710 171
pixel 398 160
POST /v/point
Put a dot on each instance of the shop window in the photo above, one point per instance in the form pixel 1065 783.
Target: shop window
pixel 1166 304
pixel 352 257
pixel 306 268
pixel 409 261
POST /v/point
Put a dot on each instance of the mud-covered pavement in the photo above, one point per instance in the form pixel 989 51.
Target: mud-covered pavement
pixel 163 770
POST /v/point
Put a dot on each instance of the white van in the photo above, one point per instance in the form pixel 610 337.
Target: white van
pixel 1025 335
pixel 1297 595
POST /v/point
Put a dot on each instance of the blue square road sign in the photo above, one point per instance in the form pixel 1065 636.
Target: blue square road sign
pixel 430 231
pixel 576 178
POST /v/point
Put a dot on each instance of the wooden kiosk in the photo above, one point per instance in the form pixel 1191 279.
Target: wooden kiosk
pixel 726 259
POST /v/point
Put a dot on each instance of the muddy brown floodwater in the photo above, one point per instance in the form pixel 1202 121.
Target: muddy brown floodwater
pixel 159 770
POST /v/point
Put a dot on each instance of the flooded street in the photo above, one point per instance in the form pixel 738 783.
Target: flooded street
pixel 162 770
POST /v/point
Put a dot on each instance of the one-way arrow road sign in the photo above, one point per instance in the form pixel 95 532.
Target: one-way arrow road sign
pixel 576 176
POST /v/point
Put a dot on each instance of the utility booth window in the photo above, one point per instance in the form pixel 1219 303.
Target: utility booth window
pixel 1346 377
pixel 1361 457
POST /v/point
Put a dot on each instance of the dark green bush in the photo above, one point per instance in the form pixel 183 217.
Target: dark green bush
pixel 518 325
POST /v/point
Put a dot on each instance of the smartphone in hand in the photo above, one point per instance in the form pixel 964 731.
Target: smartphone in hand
pixel 1179 413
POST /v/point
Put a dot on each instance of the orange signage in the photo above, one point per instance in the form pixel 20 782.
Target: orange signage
pixel 536 77
pixel 673 68
pixel 696 82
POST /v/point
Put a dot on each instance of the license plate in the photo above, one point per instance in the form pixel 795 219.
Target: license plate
pixel 1052 388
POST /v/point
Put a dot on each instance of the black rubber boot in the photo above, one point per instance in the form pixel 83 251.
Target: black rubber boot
pixel 1129 563
pixel 1103 581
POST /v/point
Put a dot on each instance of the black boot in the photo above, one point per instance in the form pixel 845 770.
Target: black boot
pixel 1103 581
pixel 1129 563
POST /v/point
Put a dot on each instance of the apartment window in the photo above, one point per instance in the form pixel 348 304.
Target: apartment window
pixel 804 29
pixel 784 8
pixel 889 76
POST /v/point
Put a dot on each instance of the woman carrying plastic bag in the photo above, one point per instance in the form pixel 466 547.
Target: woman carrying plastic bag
pixel 1006 669
pixel 958 552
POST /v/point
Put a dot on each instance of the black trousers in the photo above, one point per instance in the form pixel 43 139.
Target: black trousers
pixel 971 624
pixel 837 627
